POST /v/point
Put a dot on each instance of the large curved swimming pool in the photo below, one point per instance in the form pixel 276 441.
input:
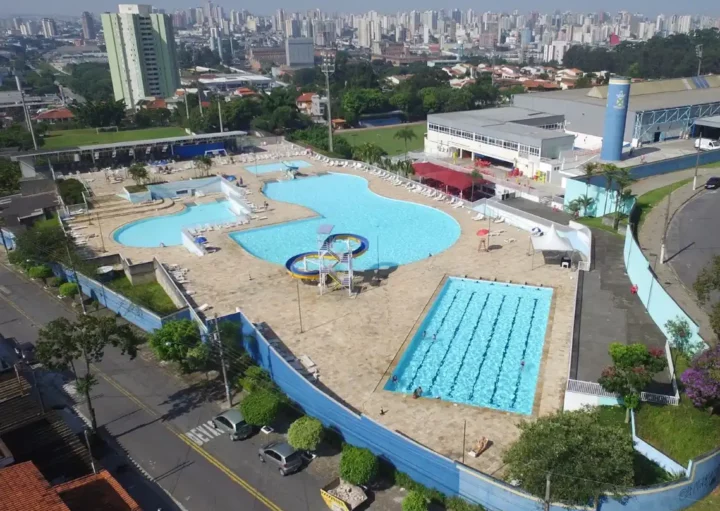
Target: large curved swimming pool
pixel 398 232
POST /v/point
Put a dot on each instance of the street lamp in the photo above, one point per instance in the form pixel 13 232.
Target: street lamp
pixel 328 67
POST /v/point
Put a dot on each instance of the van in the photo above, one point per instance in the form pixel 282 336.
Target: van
pixel 707 144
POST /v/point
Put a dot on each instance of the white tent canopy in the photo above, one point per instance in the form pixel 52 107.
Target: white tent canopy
pixel 551 241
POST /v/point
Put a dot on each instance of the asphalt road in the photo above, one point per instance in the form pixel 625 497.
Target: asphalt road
pixel 693 237
pixel 150 413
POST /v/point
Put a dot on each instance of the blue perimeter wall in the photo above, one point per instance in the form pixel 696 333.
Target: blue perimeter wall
pixel 436 471
pixel 190 151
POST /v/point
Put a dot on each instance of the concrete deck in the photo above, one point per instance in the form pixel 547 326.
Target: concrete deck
pixel 355 341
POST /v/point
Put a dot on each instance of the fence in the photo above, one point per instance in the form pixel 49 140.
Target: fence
pixel 595 389
pixel 656 300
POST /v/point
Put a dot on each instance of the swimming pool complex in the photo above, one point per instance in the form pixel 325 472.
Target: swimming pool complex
pixel 276 167
pixel 151 232
pixel 398 232
pixel 480 344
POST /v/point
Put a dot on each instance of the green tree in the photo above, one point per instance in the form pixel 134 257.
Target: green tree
pixel 174 341
pixel 634 366
pixel 585 203
pixel 9 177
pixel 42 272
pixel 306 433
pixel 69 290
pixel 358 466
pixel 590 169
pixel 16 136
pixel 474 176
pixel 590 457
pixel 62 341
pixel 203 164
pixel 680 338
pixel 369 152
pixel 71 191
pixel 623 179
pixel 260 408
pixel 574 208
pixel 45 242
pixel 405 134
pixel 138 173
pixel 609 171
pixel 99 114
pixel 707 281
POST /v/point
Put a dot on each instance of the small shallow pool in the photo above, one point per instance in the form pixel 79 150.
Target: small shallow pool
pixel 276 167
pixel 398 232
pixel 165 229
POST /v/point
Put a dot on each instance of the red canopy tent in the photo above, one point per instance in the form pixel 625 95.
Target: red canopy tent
pixel 444 175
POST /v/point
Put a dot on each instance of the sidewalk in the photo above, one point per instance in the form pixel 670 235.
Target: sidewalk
pixel 651 234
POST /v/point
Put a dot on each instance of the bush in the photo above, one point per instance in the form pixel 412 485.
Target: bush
pixel 260 408
pixel 69 290
pixel 414 501
pixel 256 378
pixel 357 465
pixel 71 190
pixel 55 281
pixel 174 342
pixel 42 271
pixel 306 433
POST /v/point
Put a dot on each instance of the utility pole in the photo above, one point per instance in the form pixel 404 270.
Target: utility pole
pixel 699 53
pixel 216 335
pixel 328 67
pixel 220 113
pixel 200 102
pixel 87 442
pixel 698 141
pixel 77 280
pixel 547 492
pixel 665 229
pixel 187 108
pixel 26 111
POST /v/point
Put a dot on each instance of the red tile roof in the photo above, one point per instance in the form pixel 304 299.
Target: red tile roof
pixel 23 488
pixel 54 115
pixel 305 98
pixel 96 491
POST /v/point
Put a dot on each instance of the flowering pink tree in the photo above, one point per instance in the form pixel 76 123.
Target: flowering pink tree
pixel 634 366
pixel 702 380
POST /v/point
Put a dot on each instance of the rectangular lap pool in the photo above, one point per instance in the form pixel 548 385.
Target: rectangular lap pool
pixel 481 344
pixel 277 167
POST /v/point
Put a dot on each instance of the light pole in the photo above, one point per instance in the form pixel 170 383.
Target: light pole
pixel 698 141
pixel 699 53
pixel 328 67
pixel 26 111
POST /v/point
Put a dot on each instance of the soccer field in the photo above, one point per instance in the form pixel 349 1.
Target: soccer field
pixel 385 138
pixel 72 138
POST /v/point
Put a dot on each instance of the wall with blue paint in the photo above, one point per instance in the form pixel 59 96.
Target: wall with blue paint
pixel 618 97
pixel 138 197
pixel 191 151
pixel 190 186
pixel 604 200
pixel 9 239
pixel 656 300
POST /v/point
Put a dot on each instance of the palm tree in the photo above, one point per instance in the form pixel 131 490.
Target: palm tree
pixel 474 176
pixel 589 170
pixel 585 202
pixel 405 134
pixel 203 164
pixel 623 179
pixel 609 170
pixel 138 173
pixel 369 153
pixel 573 208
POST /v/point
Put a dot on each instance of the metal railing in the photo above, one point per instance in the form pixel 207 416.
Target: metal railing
pixel 595 389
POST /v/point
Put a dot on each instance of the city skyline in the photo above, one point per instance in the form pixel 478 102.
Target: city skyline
pixel 47 8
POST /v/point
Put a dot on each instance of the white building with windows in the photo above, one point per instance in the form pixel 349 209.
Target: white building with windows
pixel 141 52
pixel 510 136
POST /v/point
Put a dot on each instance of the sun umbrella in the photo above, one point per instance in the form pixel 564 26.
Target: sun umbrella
pixel 483 232
pixel 201 239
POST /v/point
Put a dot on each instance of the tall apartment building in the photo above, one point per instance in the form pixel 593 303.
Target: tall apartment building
pixel 49 29
pixel 141 53
pixel 88 26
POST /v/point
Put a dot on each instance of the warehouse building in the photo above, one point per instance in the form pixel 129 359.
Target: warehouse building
pixel 656 110
pixel 513 137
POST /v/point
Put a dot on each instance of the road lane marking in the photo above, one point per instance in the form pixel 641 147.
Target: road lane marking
pixel 193 445
pixel 199 433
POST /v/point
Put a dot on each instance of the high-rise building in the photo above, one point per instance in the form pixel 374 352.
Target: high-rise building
pixel 49 29
pixel 88 26
pixel 292 28
pixel 141 53
pixel 364 35
pixel 299 52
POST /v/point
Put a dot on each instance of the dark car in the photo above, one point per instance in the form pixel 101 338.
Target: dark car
pixel 24 350
pixel 712 183
pixel 284 455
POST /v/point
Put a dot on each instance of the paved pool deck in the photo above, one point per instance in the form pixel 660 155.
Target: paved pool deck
pixel 356 341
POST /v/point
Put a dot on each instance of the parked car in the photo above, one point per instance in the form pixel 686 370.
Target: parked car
pixel 233 423
pixel 712 183
pixel 707 144
pixel 24 350
pixel 284 455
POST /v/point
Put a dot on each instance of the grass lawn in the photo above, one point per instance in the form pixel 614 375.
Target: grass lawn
pixel 385 138
pixel 71 138
pixel 596 223
pixel 149 295
pixel 709 503
pixel 649 200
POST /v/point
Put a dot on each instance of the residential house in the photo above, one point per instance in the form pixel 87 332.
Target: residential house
pixel 54 116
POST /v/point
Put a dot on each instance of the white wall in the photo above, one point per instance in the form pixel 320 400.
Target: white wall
pixel 443 144
pixel 584 141
pixel 188 241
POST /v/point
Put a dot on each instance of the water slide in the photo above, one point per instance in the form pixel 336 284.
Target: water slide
pixel 297 271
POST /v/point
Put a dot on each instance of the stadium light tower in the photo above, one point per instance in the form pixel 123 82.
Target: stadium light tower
pixel 328 67
pixel 699 53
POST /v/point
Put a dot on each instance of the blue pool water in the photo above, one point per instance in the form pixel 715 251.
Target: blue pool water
pixel 398 232
pixel 472 344
pixel 166 229
pixel 276 167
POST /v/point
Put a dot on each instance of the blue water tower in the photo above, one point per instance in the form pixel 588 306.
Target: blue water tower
pixel 615 116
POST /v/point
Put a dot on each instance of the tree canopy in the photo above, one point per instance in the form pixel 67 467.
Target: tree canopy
pixel 91 80
pixel 702 379
pixel 9 177
pixel 584 457
pixel 708 281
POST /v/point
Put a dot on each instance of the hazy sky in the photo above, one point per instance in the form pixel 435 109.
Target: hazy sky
pixel 69 7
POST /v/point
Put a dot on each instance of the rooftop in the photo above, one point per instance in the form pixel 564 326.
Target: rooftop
pixel 96 491
pixel 220 79
pixel 23 488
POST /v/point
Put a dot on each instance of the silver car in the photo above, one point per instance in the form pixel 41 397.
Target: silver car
pixel 233 423
pixel 284 455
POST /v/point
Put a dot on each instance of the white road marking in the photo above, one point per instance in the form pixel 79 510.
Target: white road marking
pixel 203 433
